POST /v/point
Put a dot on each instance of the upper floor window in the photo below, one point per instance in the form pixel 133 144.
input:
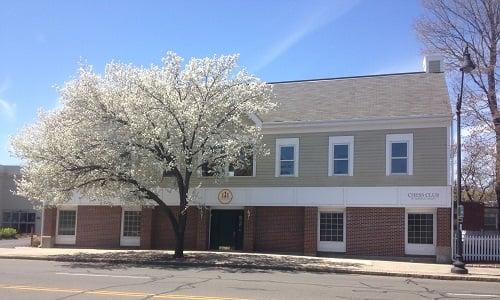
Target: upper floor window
pixel 246 166
pixel 340 155
pixel 287 157
pixel 399 154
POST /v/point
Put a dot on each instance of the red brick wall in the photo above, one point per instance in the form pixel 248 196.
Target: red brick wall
pixel 473 216
pixel 146 227
pixel 202 229
pixel 310 230
pixel 98 226
pixel 279 229
pixel 49 221
pixel 163 233
pixel 375 231
pixel 249 217
pixel 443 218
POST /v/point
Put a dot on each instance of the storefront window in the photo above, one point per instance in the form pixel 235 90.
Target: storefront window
pixel 331 227
pixel 420 228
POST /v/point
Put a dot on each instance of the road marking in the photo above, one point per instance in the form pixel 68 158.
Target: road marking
pixel 472 295
pixel 112 293
pixel 104 275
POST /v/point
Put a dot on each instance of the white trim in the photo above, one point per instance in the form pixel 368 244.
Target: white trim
pixel 398 138
pixel 389 196
pixel 129 241
pixel 408 122
pixel 66 239
pixel 287 142
pixel 421 249
pixel 340 140
pixel 324 246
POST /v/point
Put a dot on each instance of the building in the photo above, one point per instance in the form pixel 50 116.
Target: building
pixel 16 212
pixel 479 217
pixel 357 165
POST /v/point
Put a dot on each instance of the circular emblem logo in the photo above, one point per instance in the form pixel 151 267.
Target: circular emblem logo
pixel 225 196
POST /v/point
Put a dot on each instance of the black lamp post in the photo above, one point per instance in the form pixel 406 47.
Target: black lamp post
pixel 458 264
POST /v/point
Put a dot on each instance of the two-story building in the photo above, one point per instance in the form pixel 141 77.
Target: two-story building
pixel 357 165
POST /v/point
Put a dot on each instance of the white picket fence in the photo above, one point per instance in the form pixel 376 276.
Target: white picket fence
pixel 481 247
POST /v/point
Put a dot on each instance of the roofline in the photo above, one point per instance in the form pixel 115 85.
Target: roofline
pixel 347 77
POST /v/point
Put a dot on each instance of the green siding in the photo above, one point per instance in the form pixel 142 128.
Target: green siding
pixel 429 161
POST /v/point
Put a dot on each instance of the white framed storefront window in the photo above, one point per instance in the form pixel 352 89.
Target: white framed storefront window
pixel 420 231
pixel 287 157
pixel 399 154
pixel 67 218
pixel 341 156
pixel 131 226
pixel 331 230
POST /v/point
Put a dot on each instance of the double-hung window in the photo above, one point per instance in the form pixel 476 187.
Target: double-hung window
pixel 245 165
pixel 287 157
pixel 340 156
pixel 399 154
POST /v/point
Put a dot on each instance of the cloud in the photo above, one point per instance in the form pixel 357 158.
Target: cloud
pixel 320 17
pixel 7 109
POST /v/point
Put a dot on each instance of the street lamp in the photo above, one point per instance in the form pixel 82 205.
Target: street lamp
pixel 467 67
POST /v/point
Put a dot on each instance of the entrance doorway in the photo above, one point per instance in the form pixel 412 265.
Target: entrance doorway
pixel 226 229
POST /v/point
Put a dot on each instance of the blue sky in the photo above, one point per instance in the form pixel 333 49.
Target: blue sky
pixel 42 42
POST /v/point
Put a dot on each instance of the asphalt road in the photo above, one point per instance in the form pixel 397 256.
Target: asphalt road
pixel 25 279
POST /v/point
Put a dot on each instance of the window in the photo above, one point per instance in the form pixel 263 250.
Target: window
pixel 132 223
pixel 399 158
pixel 340 158
pixel 66 222
pixel 246 167
pixel 420 228
pixel 287 157
pixel 22 221
pixel 331 227
pixel 490 221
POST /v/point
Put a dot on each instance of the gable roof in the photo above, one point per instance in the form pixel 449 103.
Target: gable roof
pixel 363 97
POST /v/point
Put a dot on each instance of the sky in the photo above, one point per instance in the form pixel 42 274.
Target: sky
pixel 42 43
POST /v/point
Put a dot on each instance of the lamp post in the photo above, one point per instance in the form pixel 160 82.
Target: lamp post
pixel 467 67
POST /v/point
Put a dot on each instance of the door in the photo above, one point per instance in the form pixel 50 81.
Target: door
pixel 226 229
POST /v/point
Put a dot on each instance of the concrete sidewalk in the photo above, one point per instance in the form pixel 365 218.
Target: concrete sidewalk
pixel 240 260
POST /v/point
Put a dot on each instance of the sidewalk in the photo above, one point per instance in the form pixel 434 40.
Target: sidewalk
pixel 253 261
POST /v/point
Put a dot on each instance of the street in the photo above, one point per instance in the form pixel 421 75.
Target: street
pixel 28 279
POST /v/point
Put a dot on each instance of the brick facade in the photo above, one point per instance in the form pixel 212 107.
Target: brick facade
pixel 279 229
pixel 146 227
pixel 310 230
pixel 163 236
pixel 443 220
pixel 249 216
pixel 376 231
pixel 202 229
pixel 98 226
pixel 49 221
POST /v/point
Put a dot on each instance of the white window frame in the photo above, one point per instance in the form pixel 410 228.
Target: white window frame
pixel 327 246
pixel 66 239
pixel 129 241
pixel 341 140
pixel 421 249
pixel 398 138
pixel 287 142
pixel 254 172
pixel 495 216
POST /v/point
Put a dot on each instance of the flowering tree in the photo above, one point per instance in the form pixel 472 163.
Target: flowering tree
pixel 125 134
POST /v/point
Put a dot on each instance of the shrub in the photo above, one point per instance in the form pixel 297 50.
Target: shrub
pixel 7 233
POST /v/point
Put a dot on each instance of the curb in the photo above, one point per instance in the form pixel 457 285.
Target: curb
pixel 332 270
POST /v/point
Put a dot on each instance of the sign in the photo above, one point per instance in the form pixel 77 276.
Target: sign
pixel 423 196
pixel 225 196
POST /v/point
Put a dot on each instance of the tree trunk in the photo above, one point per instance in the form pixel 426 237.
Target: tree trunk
pixel 497 168
pixel 179 235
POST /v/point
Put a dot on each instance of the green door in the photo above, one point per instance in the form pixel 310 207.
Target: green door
pixel 226 229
